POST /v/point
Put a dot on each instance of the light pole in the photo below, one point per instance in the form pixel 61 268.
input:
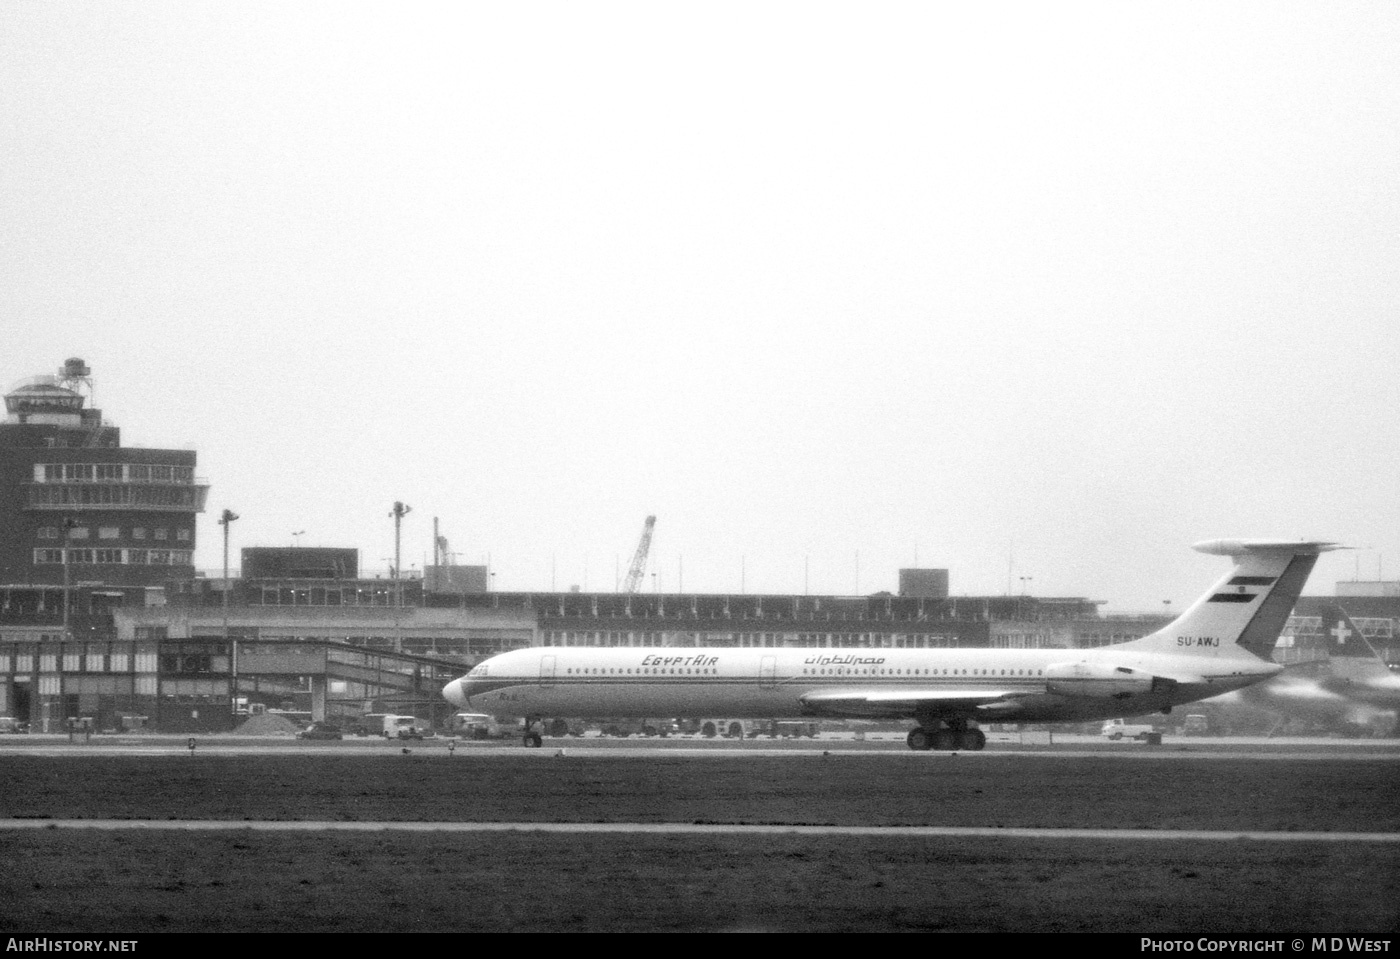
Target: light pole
pixel 296 538
pixel 399 511
pixel 226 520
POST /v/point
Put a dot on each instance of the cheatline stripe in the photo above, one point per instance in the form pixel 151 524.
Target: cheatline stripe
pixel 1029 683
pixel 1233 598
pixel 696 829
pixel 1252 581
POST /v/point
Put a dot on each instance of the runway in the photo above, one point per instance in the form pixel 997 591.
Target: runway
pixel 604 834
pixel 696 829
pixel 884 744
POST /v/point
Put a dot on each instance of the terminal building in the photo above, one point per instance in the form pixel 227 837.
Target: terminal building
pixel 103 616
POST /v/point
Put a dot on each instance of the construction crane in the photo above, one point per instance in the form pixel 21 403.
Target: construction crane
pixel 639 559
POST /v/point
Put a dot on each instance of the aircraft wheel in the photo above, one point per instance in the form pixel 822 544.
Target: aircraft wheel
pixel 533 740
pixel 708 730
pixel 972 740
pixel 945 740
pixel 559 729
pixel 919 739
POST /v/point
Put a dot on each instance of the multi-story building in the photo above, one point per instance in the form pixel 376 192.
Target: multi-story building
pixel 86 526
pixel 78 507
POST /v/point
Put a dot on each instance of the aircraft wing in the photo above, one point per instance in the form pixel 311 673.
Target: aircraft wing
pixel 900 703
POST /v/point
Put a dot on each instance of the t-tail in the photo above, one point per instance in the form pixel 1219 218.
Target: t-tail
pixel 1245 611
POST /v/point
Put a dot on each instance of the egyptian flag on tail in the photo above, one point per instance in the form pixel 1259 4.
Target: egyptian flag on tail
pixel 1243 589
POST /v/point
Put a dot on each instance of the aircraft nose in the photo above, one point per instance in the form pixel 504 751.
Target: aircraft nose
pixel 455 692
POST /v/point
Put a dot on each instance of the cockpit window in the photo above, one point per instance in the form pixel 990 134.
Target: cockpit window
pixel 477 671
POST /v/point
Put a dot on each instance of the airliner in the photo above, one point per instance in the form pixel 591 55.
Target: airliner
pixel 1222 642
pixel 1351 683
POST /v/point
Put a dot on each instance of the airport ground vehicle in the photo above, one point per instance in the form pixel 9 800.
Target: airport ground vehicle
pixel 321 731
pixel 9 724
pixel 752 729
pixel 638 727
pixel 484 726
pixel 793 729
pixel 1116 729
pixel 391 726
pixel 559 728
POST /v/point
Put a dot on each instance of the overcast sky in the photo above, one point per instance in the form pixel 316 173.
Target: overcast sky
pixel 1039 293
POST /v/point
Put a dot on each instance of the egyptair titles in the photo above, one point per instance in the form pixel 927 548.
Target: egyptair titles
pixel 679 660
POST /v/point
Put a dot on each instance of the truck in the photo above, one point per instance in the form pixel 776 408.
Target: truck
pixel 391 726
pixel 1196 724
pixel 1117 729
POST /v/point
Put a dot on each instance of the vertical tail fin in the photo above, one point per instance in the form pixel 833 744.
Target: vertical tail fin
pixel 1246 610
pixel 1343 637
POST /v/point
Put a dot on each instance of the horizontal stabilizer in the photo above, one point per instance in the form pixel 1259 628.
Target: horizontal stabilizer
pixel 1243 547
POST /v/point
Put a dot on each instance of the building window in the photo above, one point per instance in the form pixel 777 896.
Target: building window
pixel 108 532
pixel 109 471
pixel 48 532
pixel 48 556
pixel 162 533
pixel 108 555
pixel 138 532
pixel 138 557
pixel 78 532
pixel 183 535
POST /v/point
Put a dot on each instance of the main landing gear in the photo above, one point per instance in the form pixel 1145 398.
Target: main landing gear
pixel 947 736
pixel 532 738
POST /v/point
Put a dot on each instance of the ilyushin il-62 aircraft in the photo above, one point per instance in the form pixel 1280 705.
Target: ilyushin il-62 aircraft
pixel 1222 642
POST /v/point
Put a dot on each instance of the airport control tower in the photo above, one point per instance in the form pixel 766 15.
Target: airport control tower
pixel 76 506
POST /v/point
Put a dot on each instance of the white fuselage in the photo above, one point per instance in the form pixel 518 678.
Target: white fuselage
pixel 988 684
